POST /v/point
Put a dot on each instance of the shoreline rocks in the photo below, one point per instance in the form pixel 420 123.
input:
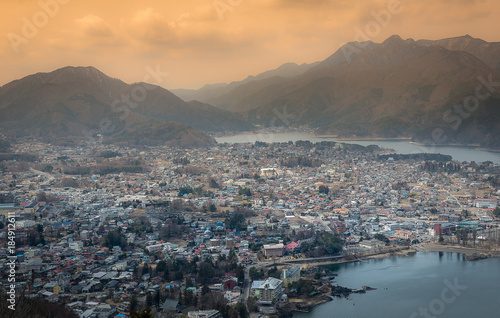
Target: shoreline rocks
pixel 476 256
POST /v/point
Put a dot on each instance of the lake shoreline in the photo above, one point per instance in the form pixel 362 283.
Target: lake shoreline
pixel 472 254
pixel 402 146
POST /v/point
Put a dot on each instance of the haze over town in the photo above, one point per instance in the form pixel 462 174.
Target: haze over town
pixel 249 158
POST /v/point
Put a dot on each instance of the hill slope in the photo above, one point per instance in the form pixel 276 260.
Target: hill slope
pixel 398 88
pixel 82 101
pixel 215 94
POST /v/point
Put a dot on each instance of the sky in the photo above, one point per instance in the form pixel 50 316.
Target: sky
pixel 197 42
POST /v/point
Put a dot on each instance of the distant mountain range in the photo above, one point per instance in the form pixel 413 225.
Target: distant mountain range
pixel 398 88
pixel 446 91
pixel 82 102
pixel 214 94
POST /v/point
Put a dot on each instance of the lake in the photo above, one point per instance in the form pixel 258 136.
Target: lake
pixel 400 146
pixel 437 284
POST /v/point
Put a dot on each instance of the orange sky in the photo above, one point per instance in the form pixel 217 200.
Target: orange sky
pixel 209 41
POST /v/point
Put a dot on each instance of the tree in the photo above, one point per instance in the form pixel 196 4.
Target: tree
pixel 285 311
pixel 205 290
pixel 133 303
pixel 244 191
pixel 161 266
pixel 324 189
pixel 212 208
pixel 149 300
pixel 441 238
pixel 41 197
pixel 381 237
pixel 146 313
pixel 47 168
pixel 242 310
pixel 496 212
pixel 212 183
pixel 465 213
pixel 255 274
pixel 252 304
pixel 115 238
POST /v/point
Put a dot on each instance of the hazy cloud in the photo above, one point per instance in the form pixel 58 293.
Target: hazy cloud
pixel 196 46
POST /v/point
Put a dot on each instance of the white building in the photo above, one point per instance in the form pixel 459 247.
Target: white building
pixel 267 290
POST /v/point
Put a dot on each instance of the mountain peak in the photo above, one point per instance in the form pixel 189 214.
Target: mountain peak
pixel 393 39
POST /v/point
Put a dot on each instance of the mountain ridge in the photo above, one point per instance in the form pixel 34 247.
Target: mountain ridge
pixel 73 100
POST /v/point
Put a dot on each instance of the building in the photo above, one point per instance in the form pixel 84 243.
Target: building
pixel 290 275
pixel 405 235
pixel 292 246
pixel 485 218
pixel 486 203
pixel 31 207
pixel 338 227
pixel 267 290
pixel 204 314
pixel 271 250
pixel 444 228
pixel 268 172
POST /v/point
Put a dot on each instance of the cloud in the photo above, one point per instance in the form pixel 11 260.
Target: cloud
pixel 93 30
pixel 189 38
pixel 194 33
pixel 150 27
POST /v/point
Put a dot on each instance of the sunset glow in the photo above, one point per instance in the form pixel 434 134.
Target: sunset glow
pixel 199 42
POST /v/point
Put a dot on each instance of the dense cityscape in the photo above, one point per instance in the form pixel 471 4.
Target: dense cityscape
pixel 234 230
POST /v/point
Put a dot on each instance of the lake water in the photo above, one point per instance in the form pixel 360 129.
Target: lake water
pixel 400 146
pixel 422 285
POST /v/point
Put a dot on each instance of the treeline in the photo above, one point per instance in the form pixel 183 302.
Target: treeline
pixel 33 307
pixel 199 191
pixel 18 157
pixel 117 166
pixel 190 170
pixel 109 154
pixel 292 162
pixel 416 156
pixel 181 161
pixel 430 166
pixel 4 145
pixel 237 220
pixel 324 244
pixel 322 145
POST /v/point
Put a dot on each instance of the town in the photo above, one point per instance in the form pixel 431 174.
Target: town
pixel 236 230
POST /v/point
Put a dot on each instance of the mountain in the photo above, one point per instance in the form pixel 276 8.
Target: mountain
pixel 82 102
pixel 216 93
pixel 488 52
pixel 169 134
pixel 398 88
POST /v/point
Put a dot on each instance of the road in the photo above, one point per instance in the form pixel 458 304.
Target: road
pixel 248 283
